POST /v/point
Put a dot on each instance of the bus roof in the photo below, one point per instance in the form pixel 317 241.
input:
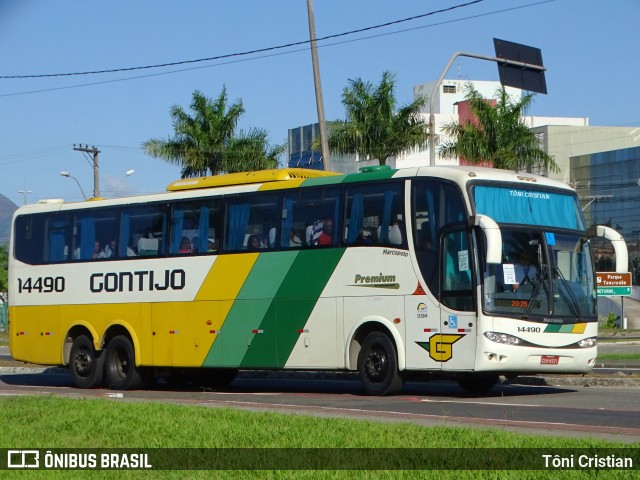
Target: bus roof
pixel 242 178
pixel 299 177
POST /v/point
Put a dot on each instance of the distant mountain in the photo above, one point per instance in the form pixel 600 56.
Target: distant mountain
pixel 7 207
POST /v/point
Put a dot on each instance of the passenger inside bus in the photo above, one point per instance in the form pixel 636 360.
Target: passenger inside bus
pixel 185 246
pixel 110 249
pixel 97 251
pixel 395 234
pixel 525 268
pixel 326 237
pixel 253 243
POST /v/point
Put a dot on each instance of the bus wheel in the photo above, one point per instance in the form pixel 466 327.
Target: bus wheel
pixel 212 377
pixel 378 365
pixel 85 363
pixel 120 365
pixel 478 382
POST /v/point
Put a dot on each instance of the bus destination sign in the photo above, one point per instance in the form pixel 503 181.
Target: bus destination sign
pixel 610 284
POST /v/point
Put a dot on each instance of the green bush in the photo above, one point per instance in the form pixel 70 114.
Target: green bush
pixel 611 322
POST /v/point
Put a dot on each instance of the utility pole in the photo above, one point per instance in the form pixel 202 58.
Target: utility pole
pixel 96 169
pixel 318 86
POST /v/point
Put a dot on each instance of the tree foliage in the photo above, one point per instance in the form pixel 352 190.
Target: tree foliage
pixel 373 128
pixel 206 142
pixel 498 135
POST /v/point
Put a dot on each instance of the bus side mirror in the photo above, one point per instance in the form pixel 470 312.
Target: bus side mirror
pixel 494 237
pixel 619 245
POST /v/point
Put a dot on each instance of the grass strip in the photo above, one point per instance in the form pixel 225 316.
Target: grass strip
pixel 52 422
pixel 619 356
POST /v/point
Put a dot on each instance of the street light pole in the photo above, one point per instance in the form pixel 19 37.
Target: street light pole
pixel 25 193
pixel 68 175
pixel 432 118
pixel 131 171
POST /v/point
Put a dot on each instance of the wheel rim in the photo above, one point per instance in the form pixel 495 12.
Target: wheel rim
pixel 120 363
pixel 376 364
pixel 83 363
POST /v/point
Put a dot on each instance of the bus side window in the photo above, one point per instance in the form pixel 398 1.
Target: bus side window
pixel 39 239
pixel 192 226
pixel 258 216
pixel 457 285
pixel 374 215
pixel 306 213
pixel 92 230
pixel 142 231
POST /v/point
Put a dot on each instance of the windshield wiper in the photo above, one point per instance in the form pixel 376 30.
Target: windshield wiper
pixel 573 304
pixel 536 289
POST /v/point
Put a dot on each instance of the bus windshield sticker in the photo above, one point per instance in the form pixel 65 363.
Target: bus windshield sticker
pixel 463 260
pixel 509 273
pixel 551 238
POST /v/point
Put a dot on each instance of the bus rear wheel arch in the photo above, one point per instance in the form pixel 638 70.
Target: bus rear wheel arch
pixel 378 365
pixel 121 372
pixel 85 363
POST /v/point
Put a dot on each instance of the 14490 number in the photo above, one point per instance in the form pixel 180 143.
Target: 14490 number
pixel 41 285
pixel 529 329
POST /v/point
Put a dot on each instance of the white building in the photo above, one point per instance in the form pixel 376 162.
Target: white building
pixel 561 137
pixel 445 105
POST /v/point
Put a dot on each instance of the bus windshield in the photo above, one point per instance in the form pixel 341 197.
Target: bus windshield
pixel 543 274
pixel 528 206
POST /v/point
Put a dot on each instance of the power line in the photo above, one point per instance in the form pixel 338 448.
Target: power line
pixel 471 17
pixel 248 52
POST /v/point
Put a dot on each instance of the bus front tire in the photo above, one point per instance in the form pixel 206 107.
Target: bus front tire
pixel 120 365
pixel 86 365
pixel 477 382
pixel 378 365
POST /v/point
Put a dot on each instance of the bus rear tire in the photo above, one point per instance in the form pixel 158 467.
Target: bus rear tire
pixel 477 382
pixel 120 365
pixel 378 365
pixel 86 365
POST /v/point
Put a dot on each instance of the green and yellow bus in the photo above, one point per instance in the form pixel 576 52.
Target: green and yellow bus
pixel 394 274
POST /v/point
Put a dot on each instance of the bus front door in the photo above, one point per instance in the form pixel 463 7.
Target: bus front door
pixel 457 345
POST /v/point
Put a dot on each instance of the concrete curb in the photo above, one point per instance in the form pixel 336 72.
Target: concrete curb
pixel 621 380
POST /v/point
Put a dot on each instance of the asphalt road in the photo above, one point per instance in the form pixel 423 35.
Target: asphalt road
pixel 612 413
pixel 598 411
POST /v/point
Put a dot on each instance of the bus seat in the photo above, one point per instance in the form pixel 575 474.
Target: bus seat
pixel 147 246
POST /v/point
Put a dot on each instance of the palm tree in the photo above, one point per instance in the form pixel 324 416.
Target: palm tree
pixel 373 129
pixel 207 142
pixel 498 136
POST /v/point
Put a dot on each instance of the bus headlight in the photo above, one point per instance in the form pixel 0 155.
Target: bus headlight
pixel 502 338
pixel 588 342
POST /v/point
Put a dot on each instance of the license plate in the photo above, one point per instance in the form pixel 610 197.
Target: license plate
pixel 549 360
